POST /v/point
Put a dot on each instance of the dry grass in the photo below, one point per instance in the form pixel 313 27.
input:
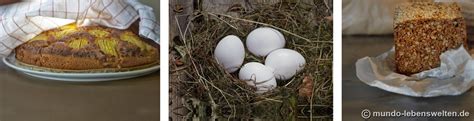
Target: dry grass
pixel 208 88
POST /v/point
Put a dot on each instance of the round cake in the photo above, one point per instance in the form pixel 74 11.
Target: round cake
pixel 84 48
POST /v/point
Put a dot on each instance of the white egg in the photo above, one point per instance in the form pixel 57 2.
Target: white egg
pixel 285 62
pixel 258 75
pixel 266 86
pixel 282 38
pixel 262 41
pixel 255 71
pixel 230 53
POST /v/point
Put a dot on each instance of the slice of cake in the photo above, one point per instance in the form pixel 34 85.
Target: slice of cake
pixel 83 48
pixel 424 30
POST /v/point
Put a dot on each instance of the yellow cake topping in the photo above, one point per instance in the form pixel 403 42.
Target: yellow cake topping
pixel 78 43
pixel 40 37
pixel 105 42
pixel 107 45
pixel 132 38
pixel 65 30
pixel 99 33
pixel 69 26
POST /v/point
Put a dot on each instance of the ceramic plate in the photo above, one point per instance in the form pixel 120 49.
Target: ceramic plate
pixel 78 77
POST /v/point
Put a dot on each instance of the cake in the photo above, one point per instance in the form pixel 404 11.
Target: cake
pixel 87 48
pixel 423 31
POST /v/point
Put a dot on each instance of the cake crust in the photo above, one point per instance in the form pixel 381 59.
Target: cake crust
pixel 425 11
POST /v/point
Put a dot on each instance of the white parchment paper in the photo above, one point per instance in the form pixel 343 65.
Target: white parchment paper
pixel 454 76
pixel 22 21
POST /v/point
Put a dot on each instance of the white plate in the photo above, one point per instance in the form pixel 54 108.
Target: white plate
pixel 78 77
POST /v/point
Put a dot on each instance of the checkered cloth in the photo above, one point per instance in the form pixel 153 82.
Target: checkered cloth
pixel 22 21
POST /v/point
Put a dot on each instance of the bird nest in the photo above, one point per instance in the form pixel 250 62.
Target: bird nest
pixel 207 90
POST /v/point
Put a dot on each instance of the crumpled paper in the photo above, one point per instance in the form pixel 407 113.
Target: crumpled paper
pixel 22 21
pixel 454 76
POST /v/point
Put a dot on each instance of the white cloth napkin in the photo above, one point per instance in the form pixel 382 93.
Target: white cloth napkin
pixel 22 21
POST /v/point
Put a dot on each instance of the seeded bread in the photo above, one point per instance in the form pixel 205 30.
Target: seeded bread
pixel 424 30
pixel 82 48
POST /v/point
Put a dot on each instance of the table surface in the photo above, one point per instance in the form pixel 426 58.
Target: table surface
pixel 25 98
pixel 357 96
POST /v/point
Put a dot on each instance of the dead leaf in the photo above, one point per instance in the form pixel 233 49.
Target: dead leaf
pixel 181 51
pixel 328 18
pixel 178 8
pixel 178 62
pixel 306 89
